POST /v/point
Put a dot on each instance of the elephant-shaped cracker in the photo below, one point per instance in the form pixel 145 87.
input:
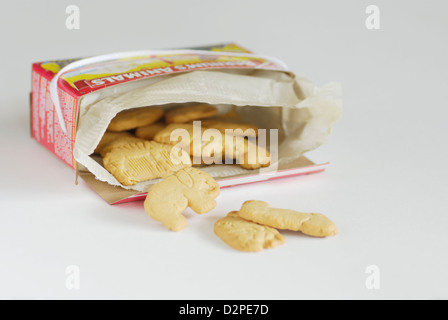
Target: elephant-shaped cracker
pixel 188 187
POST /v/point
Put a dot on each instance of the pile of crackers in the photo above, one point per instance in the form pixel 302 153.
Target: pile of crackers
pixel 138 144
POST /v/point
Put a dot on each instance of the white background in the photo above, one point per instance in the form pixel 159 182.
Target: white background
pixel 387 187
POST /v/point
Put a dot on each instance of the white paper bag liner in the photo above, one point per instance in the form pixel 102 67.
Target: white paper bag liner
pixel 304 123
pixel 129 54
pixel 90 99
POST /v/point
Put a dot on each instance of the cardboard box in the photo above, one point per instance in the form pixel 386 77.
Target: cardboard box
pixel 55 127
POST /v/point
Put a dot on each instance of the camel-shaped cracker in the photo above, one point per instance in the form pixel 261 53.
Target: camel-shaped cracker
pixel 188 187
pixel 248 154
pixel 312 224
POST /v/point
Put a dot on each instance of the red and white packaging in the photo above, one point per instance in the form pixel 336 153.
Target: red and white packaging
pixel 72 102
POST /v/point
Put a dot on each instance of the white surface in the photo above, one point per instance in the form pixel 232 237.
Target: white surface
pixel 386 189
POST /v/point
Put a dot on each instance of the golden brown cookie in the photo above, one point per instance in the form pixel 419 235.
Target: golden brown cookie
pixel 188 137
pixel 188 187
pixel 148 132
pixel 239 128
pixel 189 113
pixel 134 118
pixel 245 235
pixel 313 224
pixel 246 152
pixel 141 161
pixel 166 135
pixel 119 141
pixel 198 141
pixel 109 137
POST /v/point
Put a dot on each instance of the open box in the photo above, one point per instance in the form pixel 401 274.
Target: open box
pixel 67 91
